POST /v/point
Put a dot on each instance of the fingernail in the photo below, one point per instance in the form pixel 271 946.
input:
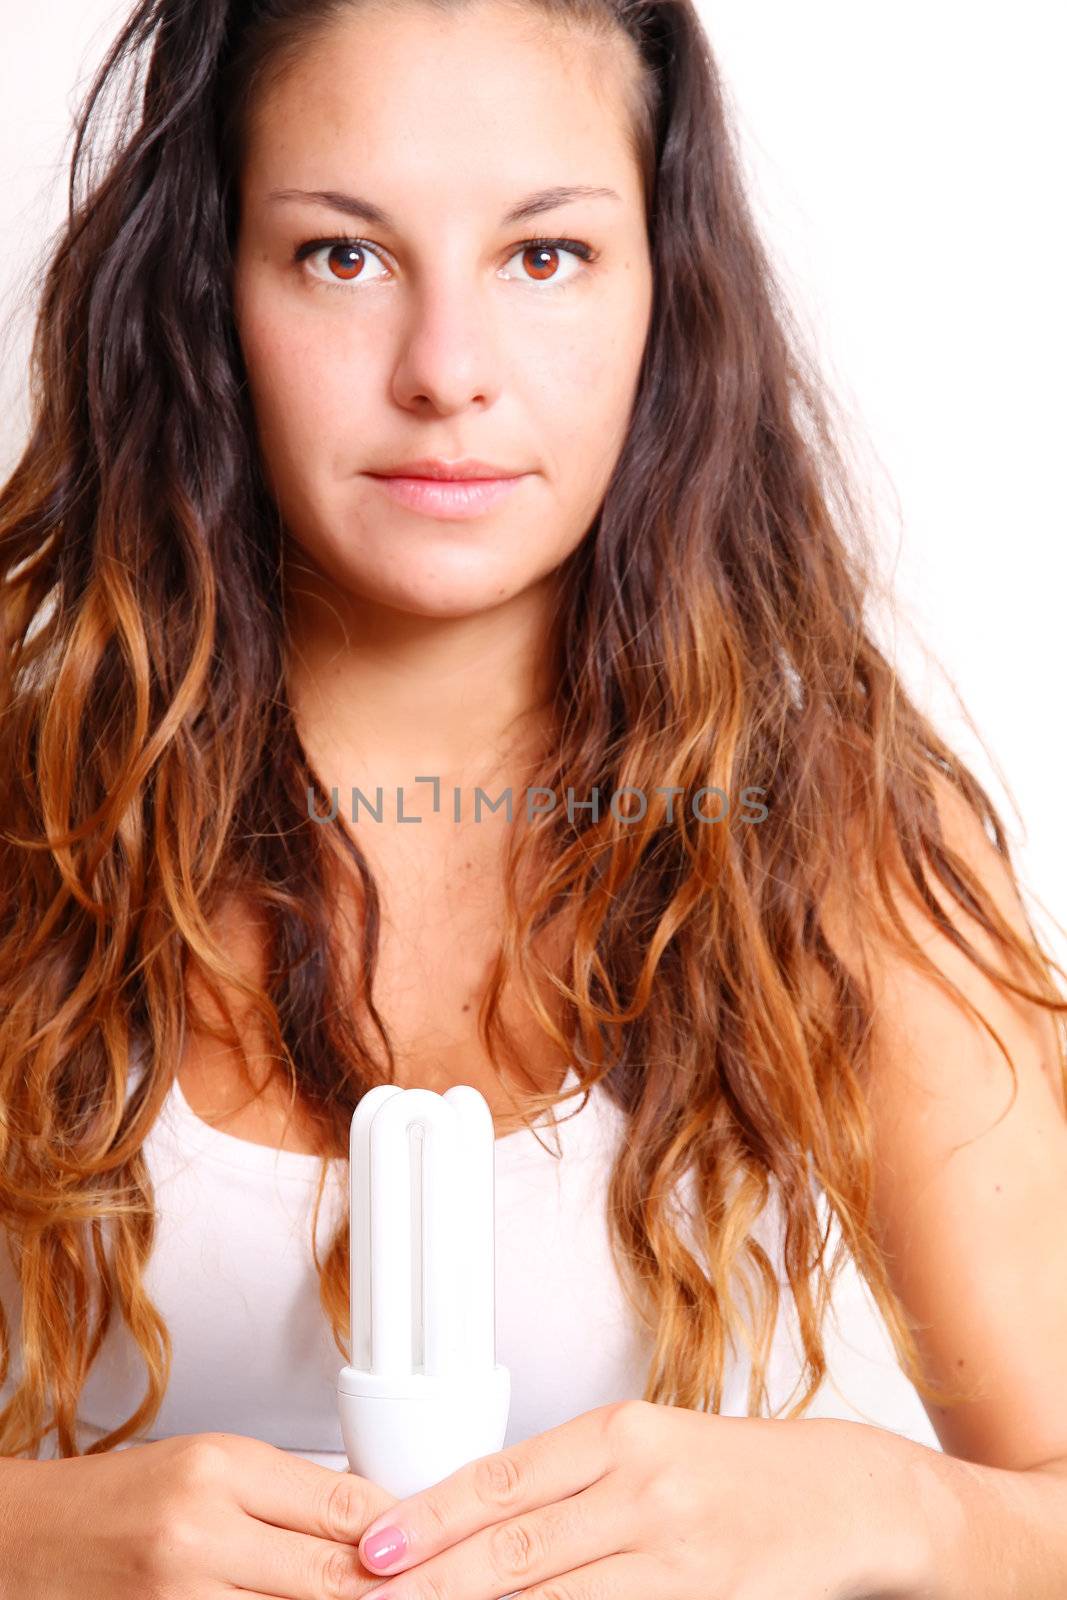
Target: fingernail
pixel 385 1548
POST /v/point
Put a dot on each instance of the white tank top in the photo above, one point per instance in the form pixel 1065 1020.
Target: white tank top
pixel 231 1273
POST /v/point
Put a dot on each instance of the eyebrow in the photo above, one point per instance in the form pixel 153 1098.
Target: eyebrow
pixel 365 211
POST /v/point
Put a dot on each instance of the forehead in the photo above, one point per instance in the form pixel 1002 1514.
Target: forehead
pixel 487 89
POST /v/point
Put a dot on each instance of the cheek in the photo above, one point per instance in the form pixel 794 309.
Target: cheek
pixel 585 400
pixel 301 393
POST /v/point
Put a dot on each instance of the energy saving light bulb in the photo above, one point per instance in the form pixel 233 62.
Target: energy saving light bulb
pixel 424 1393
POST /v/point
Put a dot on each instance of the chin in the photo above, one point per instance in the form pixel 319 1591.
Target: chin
pixel 444 588
pixel 460 601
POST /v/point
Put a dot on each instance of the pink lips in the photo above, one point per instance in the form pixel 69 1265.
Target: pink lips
pixel 451 498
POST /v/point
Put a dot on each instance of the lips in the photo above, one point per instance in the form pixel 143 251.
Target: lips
pixel 448 499
pixel 434 467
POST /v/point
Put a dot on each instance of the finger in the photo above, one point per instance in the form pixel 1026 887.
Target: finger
pixel 545 1545
pixel 625 1577
pixel 546 1467
pixel 302 1525
pixel 294 1493
pixel 269 1560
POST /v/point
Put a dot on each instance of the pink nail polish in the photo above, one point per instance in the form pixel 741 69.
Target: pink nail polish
pixel 386 1547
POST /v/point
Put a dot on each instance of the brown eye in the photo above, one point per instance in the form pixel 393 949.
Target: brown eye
pixel 345 260
pixel 538 259
pixel 338 262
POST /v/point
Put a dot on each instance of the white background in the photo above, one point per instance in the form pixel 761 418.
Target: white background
pixel 904 162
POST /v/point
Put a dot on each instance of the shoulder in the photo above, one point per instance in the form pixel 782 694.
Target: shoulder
pixel 970 1156
pixel 934 991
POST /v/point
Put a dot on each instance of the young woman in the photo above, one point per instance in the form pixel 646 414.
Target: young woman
pixel 266 681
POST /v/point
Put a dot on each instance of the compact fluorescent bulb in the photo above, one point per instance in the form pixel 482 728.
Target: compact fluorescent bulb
pixel 424 1393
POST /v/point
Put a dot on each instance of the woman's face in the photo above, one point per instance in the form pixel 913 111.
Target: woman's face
pixel 444 334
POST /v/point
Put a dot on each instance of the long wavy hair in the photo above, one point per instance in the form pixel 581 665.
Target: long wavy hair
pixel 712 632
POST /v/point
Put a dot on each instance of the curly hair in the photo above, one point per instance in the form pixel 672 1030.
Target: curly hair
pixel 713 631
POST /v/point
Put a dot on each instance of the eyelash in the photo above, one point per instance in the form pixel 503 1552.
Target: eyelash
pixel 575 246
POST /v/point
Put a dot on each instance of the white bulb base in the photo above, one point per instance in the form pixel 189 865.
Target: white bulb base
pixel 405 1433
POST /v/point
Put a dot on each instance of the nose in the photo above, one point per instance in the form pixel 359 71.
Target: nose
pixel 447 355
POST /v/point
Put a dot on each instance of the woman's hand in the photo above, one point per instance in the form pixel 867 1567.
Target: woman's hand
pixel 635 1500
pixel 208 1514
